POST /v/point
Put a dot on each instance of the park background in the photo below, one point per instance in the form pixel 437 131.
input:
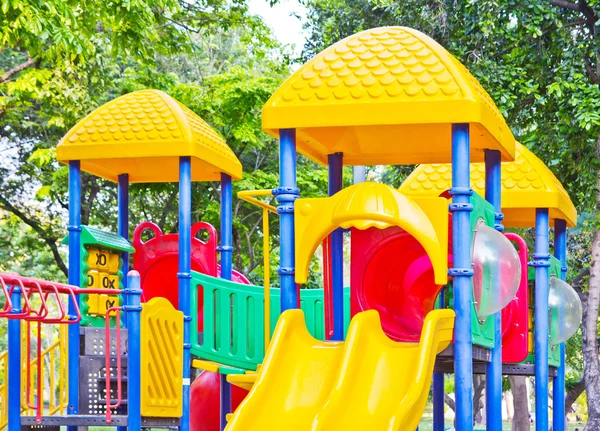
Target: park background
pixel 539 60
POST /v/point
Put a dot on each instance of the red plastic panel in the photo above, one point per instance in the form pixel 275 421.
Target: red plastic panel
pixel 515 314
pixel 205 401
pixel 157 261
pixel 391 273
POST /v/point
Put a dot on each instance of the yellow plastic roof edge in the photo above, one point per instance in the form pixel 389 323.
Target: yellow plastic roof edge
pixel 553 195
pixel 295 117
pixel 66 152
pixel 362 206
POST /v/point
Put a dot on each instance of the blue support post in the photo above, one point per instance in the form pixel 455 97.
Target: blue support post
pixel 184 275
pixel 493 371
pixel 123 230
pixel 541 262
pixel 226 250
pixel 558 385
pixel 286 194
pixel 438 386
pixel 123 218
pixel 74 229
pixel 462 274
pixel 225 398
pixel 336 167
pixel 132 310
pixel 14 364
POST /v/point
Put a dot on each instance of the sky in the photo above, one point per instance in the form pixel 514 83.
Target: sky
pixel 286 28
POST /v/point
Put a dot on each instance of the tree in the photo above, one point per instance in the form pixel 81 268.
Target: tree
pixel 518 385
pixel 65 58
pixel 539 62
pixel 228 67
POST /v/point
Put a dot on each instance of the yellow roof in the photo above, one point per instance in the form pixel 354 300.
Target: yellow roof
pixel 527 184
pixel 387 95
pixel 143 134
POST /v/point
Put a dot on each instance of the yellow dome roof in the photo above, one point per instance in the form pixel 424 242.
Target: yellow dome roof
pixel 143 134
pixel 387 95
pixel 527 184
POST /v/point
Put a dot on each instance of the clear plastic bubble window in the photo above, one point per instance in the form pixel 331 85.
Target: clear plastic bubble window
pixel 497 270
pixel 564 308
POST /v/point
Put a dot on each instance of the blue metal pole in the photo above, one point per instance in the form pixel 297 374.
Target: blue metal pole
pixel 123 230
pixel 225 395
pixel 14 364
pixel 74 229
pixel 541 262
pixel 558 386
pixel 336 167
pixel 226 262
pixel 123 218
pixel 226 248
pixel 184 276
pixel 438 386
pixel 132 309
pixel 286 194
pixel 462 274
pixel 493 371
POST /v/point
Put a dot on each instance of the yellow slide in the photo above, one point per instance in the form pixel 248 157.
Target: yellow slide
pixel 294 381
pixel 368 382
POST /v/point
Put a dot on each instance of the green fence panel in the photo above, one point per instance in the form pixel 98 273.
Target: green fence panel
pixel 234 319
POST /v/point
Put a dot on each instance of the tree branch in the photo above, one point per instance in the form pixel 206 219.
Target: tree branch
pixel 450 402
pixel 572 395
pixel 9 73
pixel 565 4
pixel 167 209
pixel 49 240
pixel 578 279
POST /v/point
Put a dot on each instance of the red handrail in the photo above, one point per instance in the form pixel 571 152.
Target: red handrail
pixel 61 309
pixel 32 286
pixel 40 314
pixel 26 305
pixel 8 304
pixel 109 406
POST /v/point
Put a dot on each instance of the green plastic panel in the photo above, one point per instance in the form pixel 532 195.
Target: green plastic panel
pixel 553 350
pixel 482 330
pixel 234 320
pixel 104 241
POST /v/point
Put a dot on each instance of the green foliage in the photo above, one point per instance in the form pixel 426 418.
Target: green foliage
pixel 212 56
pixel 536 60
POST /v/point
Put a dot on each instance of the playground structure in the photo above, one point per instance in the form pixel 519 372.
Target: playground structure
pixel 353 356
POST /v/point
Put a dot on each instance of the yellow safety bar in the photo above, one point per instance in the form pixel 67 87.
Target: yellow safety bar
pixel 54 358
pixel 250 196
pixel 3 389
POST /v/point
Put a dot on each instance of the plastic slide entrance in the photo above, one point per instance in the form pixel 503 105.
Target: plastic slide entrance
pixel 366 382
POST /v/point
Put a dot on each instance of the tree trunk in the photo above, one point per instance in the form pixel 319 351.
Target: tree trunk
pixel 572 395
pixel 478 391
pixel 591 363
pixel 518 386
